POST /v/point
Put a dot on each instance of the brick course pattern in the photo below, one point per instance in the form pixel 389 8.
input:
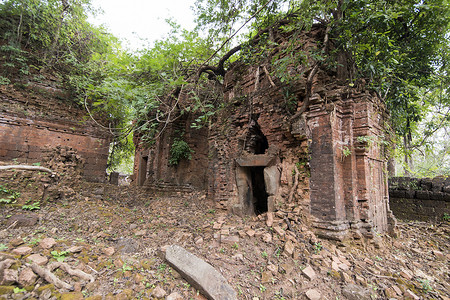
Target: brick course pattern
pixel 38 117
pixel 422 199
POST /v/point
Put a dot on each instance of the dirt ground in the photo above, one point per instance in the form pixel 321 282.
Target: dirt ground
pixel 107 242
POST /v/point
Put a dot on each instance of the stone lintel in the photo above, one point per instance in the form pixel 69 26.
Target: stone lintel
pixel 257 160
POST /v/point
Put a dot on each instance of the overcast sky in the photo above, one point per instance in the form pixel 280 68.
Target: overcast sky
pixel 134 19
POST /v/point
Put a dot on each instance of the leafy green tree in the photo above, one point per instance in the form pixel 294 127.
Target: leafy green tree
pixel 400 49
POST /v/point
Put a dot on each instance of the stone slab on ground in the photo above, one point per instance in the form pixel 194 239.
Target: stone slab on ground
pixel 200 274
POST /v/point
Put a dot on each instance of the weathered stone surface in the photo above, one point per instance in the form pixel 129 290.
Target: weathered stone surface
pixel 38 259
pixel 279 231
pixel 9 276
pixel 267 237
pixel 47 243
pixel 27 277
pixel 273 269
pixel 174 296
pixel 24 250
pixel 423 199
pixel 289 247
pixel 16 242
pixel 266 276
pixel 159 293
pixel 269 221
pixel 108 251
pixel 272 179
pixel 75 249
pixel 356 292
pixel 309 273
pixel 200 274
pixel 49 120
pixel 410 296
pixel 313 294
pixel 254 160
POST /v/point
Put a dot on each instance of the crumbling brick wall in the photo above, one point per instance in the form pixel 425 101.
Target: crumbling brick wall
pixel 325 165
pixel 423 199
pixel 152 167
pixel 36 117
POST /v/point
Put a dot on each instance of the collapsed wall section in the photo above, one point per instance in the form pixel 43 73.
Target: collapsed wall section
pixel 35 118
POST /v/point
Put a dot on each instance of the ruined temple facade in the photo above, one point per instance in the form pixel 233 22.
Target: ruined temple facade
pixel 36 117
pixel 326 165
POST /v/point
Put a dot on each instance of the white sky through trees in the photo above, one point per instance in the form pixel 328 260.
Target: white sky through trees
pixel 142 19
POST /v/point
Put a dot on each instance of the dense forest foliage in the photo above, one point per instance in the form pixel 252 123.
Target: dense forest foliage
pixel 400 49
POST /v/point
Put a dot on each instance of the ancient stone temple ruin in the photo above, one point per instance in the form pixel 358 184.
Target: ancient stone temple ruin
pixel 36 117
pixel 257 155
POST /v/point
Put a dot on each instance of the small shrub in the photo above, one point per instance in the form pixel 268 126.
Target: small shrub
pixel 317 247
pixel 59 256
pixel 35 206
pixel 179 150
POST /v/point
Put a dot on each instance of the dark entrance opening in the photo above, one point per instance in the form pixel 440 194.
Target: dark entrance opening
pixel 260 195
pixel 142 175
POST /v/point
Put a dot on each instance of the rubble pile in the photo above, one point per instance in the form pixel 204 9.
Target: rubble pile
pixel 106 243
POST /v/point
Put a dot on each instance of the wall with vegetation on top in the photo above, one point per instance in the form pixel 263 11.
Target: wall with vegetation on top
pixel 36 117
pixel 422 199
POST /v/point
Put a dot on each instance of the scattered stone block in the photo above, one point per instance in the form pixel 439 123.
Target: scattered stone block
pixel 227 239
pixel 27 277
pixel 10 276
pixel 38 259
pixel 159 293
pixel 199 274
pixel 410 296
pixel 47 243
pixel 309 272
pixel 16 242
pixel 267 238
pixel 356 292
pixel 269 221
pixel 174 296
pixel 289 247
pixel 238 256
pixel 313 294
pixel 108 251
pixel 343 267
pixel 439 255
pixel 75 249
pixel 397 290
pixel 279 231
pixel 406 274
pixel 217 225
pixel 273 269
pixel 266 276
pixel 390 293
pixel 346 277
pixel 24 250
